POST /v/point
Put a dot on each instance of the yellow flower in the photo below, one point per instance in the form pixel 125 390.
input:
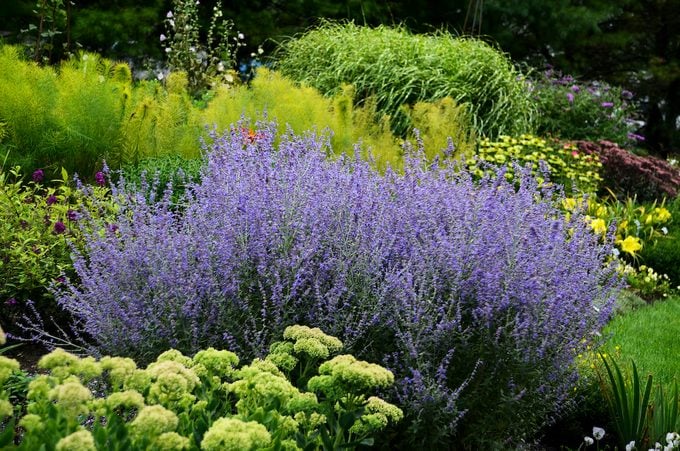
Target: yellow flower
pixel 569 203
pixel 598 225
pixel 662 215
pixel 631 244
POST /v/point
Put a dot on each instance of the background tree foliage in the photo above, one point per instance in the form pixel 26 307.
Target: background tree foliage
pixel 633 43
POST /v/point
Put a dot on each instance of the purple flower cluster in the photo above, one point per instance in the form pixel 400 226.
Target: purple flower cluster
pixel 442 279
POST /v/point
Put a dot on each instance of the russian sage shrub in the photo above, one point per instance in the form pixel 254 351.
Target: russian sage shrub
pixel 477 295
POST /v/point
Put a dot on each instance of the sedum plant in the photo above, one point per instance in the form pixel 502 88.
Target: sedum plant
pixel 455 285
pixel 204 402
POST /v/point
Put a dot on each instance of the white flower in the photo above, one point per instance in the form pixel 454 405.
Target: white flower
pixel 192 49
pixel 630 446
pixel 657 446
pixel 671 436
pixel 260 50
pixel 168 50
pixel 664 230
pixel 588 440
pixel 172 23
pixel 241 36
pixel 229 78
pixel 160 76
pixel 598 433
pixel 169 15
pixel 163 37
pixel 220 67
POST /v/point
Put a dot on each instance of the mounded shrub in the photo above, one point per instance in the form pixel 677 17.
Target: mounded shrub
pixel 629 175
pixel 474 294
pixel 399 68
pixel 573 109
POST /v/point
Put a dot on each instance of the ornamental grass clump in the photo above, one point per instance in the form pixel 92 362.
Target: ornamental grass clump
pixel 472 293
pixel 399 68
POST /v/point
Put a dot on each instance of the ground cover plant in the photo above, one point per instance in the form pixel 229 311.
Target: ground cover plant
pixel 302 395
pixel 398 68
pixel 456 286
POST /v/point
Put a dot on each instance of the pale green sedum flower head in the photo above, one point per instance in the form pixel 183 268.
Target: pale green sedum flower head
pixel 232 434
pixel 378 413
pixel 171 441
pixel 153 421
pixel 312 341
pixel 6 409
pixel 345 374
pixel 129 399
pixel 78 441
pixel 119 370
pixel 32 423
pixel 7 367
pixel 72 396
pixel 217 363
pixel 63 364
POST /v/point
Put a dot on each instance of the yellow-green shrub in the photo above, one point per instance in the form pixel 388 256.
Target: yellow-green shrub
pixel 303 108
pixel 577 171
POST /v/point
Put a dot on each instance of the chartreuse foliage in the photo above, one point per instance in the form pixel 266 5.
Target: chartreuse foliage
pixel 38 220
pixel 303 108
pixel 88 109
pixel 399 68
pixel 205 402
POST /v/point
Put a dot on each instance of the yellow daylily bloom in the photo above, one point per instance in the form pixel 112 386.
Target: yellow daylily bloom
pixel 631 244
pixel 662 215
pixel 599 226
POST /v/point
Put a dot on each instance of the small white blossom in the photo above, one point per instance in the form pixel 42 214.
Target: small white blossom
pixel 260 50
pixel 220 67
pixel 172 23
pixel 168 50
pixel 163 37
pixel 241 36
pixel 630 446
pixel 160 76
pixel 588 440
pixel 598 433
pixel 169 15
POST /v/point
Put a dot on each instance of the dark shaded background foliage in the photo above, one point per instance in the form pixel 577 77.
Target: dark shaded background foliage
pixel 633 43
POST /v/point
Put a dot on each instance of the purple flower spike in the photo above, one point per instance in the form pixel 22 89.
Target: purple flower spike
pixel 576 88
pixel 72 215
pixel 52 199
pixel 607 104
pixel 99 178
pixel 59 227
pixel 570 97
pixel 38 175
pixel 11 302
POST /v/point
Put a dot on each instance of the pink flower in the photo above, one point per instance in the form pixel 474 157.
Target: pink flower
pixel 570 97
